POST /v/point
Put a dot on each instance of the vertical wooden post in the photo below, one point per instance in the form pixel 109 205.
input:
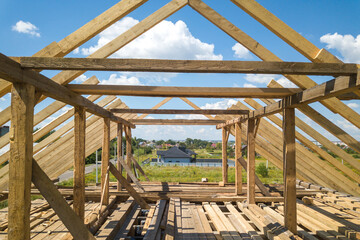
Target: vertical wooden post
pixel 238 167
pixel 128 149
pixel 119 152
pixel 251 161
pixel 224 156
pixel 79 162
pixel 289 170
pixel 20 163
pixel 105 156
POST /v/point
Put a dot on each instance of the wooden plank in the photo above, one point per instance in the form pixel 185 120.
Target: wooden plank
pixel 137 165
pixel 119 152
pixel 175 121
pixel 128 150
pixel 233 232
pixel 238 154
pixel 72 222
pixel 161 103
pixel 178 222
pixel 105 160
pixel 205 223
pixel 224 166
pixel 128 224
pixel 12 71
pixel 251 161
pixel 170 223
pixel 231 122
pixel 20 164
pixel 148 219
pixel 155 221
pixel 219 225
pixel 130 174
pixel 188 224
pixel 179 111
pixel 289 170
pixel 128 187
pixel 79 162
pixel 188 66
pixel 195 92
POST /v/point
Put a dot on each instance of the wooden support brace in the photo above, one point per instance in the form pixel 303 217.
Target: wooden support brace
pixel 257 124
pixel 46 187
pixel 137 165
pixel 224 156
pixel 105 157
pixel 131 174
pixel 251 162
pixel 238 168
pixel 119 152
pixel 128 150
pixel 128 187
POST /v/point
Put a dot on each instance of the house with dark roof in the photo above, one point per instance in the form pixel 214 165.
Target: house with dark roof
pixel 176 155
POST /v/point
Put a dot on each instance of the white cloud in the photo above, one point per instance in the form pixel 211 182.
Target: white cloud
pixel 167 40
pixel 241 51
pixel 347 45
pixel 76 51
pixel 286 83
pixel 191 116
pixel 26 27
pixel 249 85
pixel 220 105
pixel 260 78
pixel 81 78
pixel 347 125
pixel 2 99
pixel 121 80
pixel 201 130
pixel 353 105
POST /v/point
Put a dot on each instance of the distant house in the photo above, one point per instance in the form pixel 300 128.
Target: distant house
pixel 176 155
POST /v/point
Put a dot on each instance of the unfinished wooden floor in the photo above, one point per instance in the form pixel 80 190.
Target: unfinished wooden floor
pixel 322 214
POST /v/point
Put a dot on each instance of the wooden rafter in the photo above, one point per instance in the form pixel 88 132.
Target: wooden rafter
pixel 179 111
pixel 188 66
pixel 175 121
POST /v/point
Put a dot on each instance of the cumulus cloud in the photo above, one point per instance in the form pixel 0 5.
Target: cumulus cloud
pixel 27 28
pixel 347 125
pixel 241 51
pixel 224 104
pixel 81 78
pixel 353 105
pixel 121 80
pixel 347 45
pixel 286 83
pixel 264 79
pixel 192 116
pixel 249 85
pixel 167 40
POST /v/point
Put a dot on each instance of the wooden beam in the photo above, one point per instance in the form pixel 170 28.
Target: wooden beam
pixel 179 111
pixel 137 165
pixel 175 121
pixel 128 187
pixel 251 161
pixel 289 170
pixel 128 150
pixel 231 122
pixel 69 218
pixel 323 91
pixel 188 66
pixel 198 92
pixel 12 71
pixel 20 164
pixel 238 154
pixel 224 156
pixel 79 161
pixel 156 107
pixel 119 152
pixel 105 157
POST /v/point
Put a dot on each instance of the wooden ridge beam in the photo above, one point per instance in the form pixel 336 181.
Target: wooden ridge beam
pixel 323 91
pixel 179 111
pixel 175 121
pixel 200 92
pixel 231 122
pixel 189 66
pixel 12 71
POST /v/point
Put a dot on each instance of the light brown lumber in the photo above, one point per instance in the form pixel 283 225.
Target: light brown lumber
pixel 180 111
pixel 154 226
pixel 258 182
pixel 175 121
pixel 127 227
pixel 238 154
pixel 148 219
pixel 128 187
pixel 187 222
pixel 110 228
pixel 119 152
pixel 161 103
pixel 289 169
pixel 20 164
pixel 191 104
pixel 105 160
pixel 178 223
pixel 317 136
pixel 170 223
pixel 12 71
pixel 188 66
pixel 224 156
pixel 128 150
pixel 137 165
pixel 324 122
pixel 130 174
pixel 205 223
pixel 219 225
pixel 199 229
pixel 251 161
pixel 198 92
pixel 260 51
pixel 79 162
pixel 58 203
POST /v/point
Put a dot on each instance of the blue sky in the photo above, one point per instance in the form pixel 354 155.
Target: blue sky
pixel 28 26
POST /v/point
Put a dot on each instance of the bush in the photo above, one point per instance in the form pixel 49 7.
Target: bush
pixel 262 170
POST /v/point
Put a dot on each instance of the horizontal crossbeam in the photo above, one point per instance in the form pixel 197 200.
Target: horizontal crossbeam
pixel 190 66
pixel 175 121
pixel 180 111
pixel 12 71
pixel 198 92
